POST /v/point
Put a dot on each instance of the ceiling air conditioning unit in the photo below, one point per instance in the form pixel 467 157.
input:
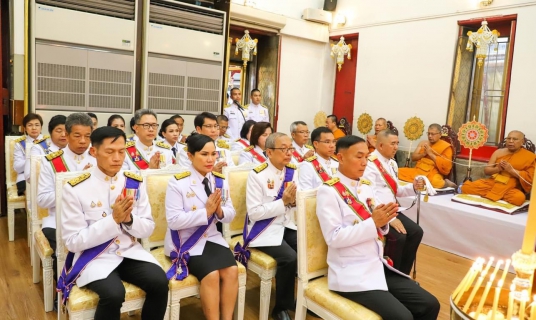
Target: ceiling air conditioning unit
pixel 183 57
pixel 83 55
pixel 317 15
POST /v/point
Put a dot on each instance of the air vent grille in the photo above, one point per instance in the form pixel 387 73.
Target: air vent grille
pixel 184 16
pixel 124 9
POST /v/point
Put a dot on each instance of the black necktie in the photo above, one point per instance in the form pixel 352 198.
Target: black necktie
pixel 174 151
pixel 207 187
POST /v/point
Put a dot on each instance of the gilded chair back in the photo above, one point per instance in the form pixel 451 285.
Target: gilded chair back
pixel 38 213
pixel 237 178
pixel 312 249
pixel 11 174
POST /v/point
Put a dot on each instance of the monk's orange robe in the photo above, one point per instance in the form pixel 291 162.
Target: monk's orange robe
pixel 503 186
pixel 433 170
pixel 370 147
pixel 338 133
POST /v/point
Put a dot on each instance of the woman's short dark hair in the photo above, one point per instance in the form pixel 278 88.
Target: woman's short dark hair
pixel 113 117
pixel 245 128
pixel 197 142
pixel 55 121
pixel 31 116
pixel 132 123
pixel 258 130
pixel 165 124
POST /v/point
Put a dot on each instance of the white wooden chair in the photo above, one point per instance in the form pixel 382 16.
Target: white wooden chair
pixel 313 292
pixel 157 181
pixel 259 263
pixel 82 302
pixel 40 250
pixel 236 156
pixel 28 201
pixel 14 201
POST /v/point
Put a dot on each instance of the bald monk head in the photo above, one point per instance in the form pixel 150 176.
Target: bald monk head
pixel 381 124
pixel 434 133
pixel 515 141
pixel 387 143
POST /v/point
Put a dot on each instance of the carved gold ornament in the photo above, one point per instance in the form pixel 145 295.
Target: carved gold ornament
pixel 364 123
pixel 320 119
pixel 414 128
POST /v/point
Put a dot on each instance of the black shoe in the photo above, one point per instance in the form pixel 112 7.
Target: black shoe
pixel 55 306
pixel 281 315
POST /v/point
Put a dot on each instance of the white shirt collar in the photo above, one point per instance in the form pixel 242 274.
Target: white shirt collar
pixel 324 162
pixel 142 147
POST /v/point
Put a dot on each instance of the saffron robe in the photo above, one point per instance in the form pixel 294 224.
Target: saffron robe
pixel 338 133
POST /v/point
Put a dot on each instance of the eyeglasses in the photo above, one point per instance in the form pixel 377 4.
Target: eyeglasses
pixel 285 150
pixel 146 126
pixel 433 133
pixel 327 141
pixel 209 126
pixel 303 132
pixel 223 127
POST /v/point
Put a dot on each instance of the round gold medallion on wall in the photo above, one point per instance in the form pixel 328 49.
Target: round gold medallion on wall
pixel 364 123
pixel 320 119
pixel 414 128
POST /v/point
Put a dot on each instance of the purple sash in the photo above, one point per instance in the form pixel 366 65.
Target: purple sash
pixel 44 145
pixel 69 274
pixel 23 144
pixel 242 253
pixel 180 254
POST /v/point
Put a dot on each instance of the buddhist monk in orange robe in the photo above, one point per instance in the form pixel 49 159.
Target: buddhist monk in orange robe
pixel 511 170
pixel 379 125
pixel 434 160
pixel 331 124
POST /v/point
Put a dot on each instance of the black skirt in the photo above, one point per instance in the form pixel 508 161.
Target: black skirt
pixel 214 257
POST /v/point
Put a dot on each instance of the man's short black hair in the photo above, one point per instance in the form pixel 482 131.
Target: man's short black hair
pixel 98 135
pixel 199 120
pixel 333 118
pixel 345 143
pixel 255 90
pixel 315 135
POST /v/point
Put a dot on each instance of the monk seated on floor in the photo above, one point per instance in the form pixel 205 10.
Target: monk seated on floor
pixel 511 170
pixel 434 160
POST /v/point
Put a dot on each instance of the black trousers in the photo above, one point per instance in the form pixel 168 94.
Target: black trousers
pixel 50 234
pixel 287 264
pixel 148 276
pixel 405 300
pixel 402 248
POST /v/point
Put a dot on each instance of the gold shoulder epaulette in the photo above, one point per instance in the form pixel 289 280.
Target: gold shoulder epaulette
pixel 222 144
pixel 217 174
pixel 227 106
pixel 291 166
pixel 365 181
pixel 130 136
pixel 237 140
pixel 309 147
pixel 21 138
pixel 81 178
pixel 182 175
pixel 46 137
pixel 40 140
pixel 249 148
pixel 132 175
pixel 226 136
pixel 54 155
pixel 261 167
pixel 163 145
pixel 186 148
pixel 130 144
pixel 310 159
pixel 372 157
pixel 181 143
pixel 334 158
pixel 331 182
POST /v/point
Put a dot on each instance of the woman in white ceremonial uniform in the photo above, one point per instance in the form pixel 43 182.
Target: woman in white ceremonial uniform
pixel 245 136
pixel 255 153
pixel 195 201
pixel 169 131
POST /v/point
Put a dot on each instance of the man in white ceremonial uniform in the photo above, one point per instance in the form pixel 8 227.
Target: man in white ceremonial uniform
pixel 319 168
pixel 270 199
pixel 74 157
pixel 206 123
pixel 256 111
pixel 32 124
pixel 224 140
pixel 104 212
pixel 143 152
pixel 236 114
pixel 57 141
pixel 404 235
pixel 300 136
pixel 353 228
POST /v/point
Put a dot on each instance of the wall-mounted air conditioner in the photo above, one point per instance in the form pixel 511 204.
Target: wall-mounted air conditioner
pixel 83 55
pixel 317 15
pixel 183 57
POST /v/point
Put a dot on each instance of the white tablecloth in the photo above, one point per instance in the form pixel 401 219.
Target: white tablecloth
pixel 467 231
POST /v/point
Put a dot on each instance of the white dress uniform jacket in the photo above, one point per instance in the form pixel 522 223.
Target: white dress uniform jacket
pixel 236 118
pixel 309 178
pixel 247 157
pixel 19 156
pixel 166 155
pixel 46 188
pixel 301 151
pixel 355 254
pixel 185 210
pixel 87 221
pixel 236 145
pixel 258 113
pixel 260 202
pixel 382 190
pixel 38 150
pixel 182 156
